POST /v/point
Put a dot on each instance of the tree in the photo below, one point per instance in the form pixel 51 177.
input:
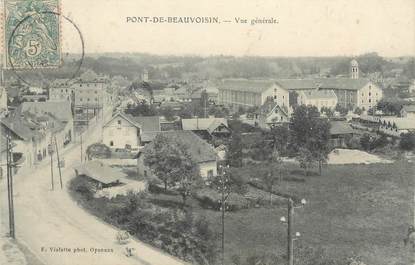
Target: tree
pixel 234 155
pixel 280 135
pixel 310 135
pixel 141 109
pixel 365 142
pixel 318 142
pixel 305 157
pixel 168 113
pixel 407 142
pixel 170 162
pixel 98 150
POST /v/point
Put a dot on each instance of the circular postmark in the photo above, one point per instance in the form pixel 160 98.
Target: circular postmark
pixel 32 46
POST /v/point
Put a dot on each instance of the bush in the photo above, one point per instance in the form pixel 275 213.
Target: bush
pixel 83 187
pixel 407 142
pixel 209 199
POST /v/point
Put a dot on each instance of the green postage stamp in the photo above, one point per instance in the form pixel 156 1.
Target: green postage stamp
pixel 32 34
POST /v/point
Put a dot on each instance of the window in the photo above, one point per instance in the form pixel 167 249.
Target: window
pixel 119 122
pixel 370 94
pixel 111 143
pixel 210 173
pixel 370 100
pixel 145 173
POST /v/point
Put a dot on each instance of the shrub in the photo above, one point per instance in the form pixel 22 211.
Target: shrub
pixel 407 142
pixel 208 199
pixel 83 187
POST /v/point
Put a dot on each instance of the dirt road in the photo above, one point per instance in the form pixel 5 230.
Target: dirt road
pixel 58 231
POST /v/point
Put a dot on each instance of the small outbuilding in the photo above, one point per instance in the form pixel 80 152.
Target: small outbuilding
pixel 101 175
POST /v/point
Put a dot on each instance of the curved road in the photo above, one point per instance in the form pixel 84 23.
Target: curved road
pixel 48 219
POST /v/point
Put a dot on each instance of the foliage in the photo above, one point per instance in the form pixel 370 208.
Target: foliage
pixel 306 158
pixel 389 107
pixel 234 154
pixel 168 113
pixel 171 163
pixel 98 150
pixel 369 143
pixel 311 135
pixel 327 111
pixel 358 111
pixel 341 109
pixel 407 141
pixel 83 187
pixel 281 137
pixel 141 109
pixel 177 232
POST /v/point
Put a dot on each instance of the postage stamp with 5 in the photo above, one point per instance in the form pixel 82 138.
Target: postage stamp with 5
pixel 32 34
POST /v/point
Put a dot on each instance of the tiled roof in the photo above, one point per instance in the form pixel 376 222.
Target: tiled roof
pixel 409 108
pixel 319 94
pixel 60 109
pixel 146 123
pixel 340 127
pixel 328 83
pixel 100 172
pixel 209 124
pixel 198 149
pixel 247 85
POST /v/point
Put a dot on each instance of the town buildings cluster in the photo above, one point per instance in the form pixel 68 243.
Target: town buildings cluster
pixel 38 121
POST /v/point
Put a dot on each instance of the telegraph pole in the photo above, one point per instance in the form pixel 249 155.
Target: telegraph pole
pixel 81 148
pixel 290 240
pixel 9 160
pixel 50 150
pixel 59 162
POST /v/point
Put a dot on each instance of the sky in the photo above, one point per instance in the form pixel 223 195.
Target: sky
pixel 305 27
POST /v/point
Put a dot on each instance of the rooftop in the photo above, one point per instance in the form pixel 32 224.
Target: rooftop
pixel 327 83
pixel 199 149
pixel 60 109
pixel 208 124
pixel 100 172
pixel 340 127
pixel 409 108
pixel 145 123
pixel 319 94
pixel 248 85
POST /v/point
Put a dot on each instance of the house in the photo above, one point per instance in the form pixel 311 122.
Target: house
pixel 125 131
pixel 394 126
pixel 340 133
pixel 90 94
pixel 99 174
pixel 408 111
pixel 318 98
pixel 250 93
pixel 59 109
pixel 32 134
pixel 61 90
pixel 201 152
pixel 3 100
pixel 207 127
pixel 271 114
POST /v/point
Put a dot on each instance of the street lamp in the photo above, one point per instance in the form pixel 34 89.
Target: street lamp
pixel 289 221
pixel 224 189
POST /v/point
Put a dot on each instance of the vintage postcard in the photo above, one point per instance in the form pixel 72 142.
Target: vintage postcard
pixel 164 132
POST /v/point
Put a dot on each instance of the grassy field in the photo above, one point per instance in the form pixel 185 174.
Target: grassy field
pixel 352 210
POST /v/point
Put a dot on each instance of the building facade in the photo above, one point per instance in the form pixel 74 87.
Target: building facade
pixel 318 98
pixel 251 93
pixel 125 131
